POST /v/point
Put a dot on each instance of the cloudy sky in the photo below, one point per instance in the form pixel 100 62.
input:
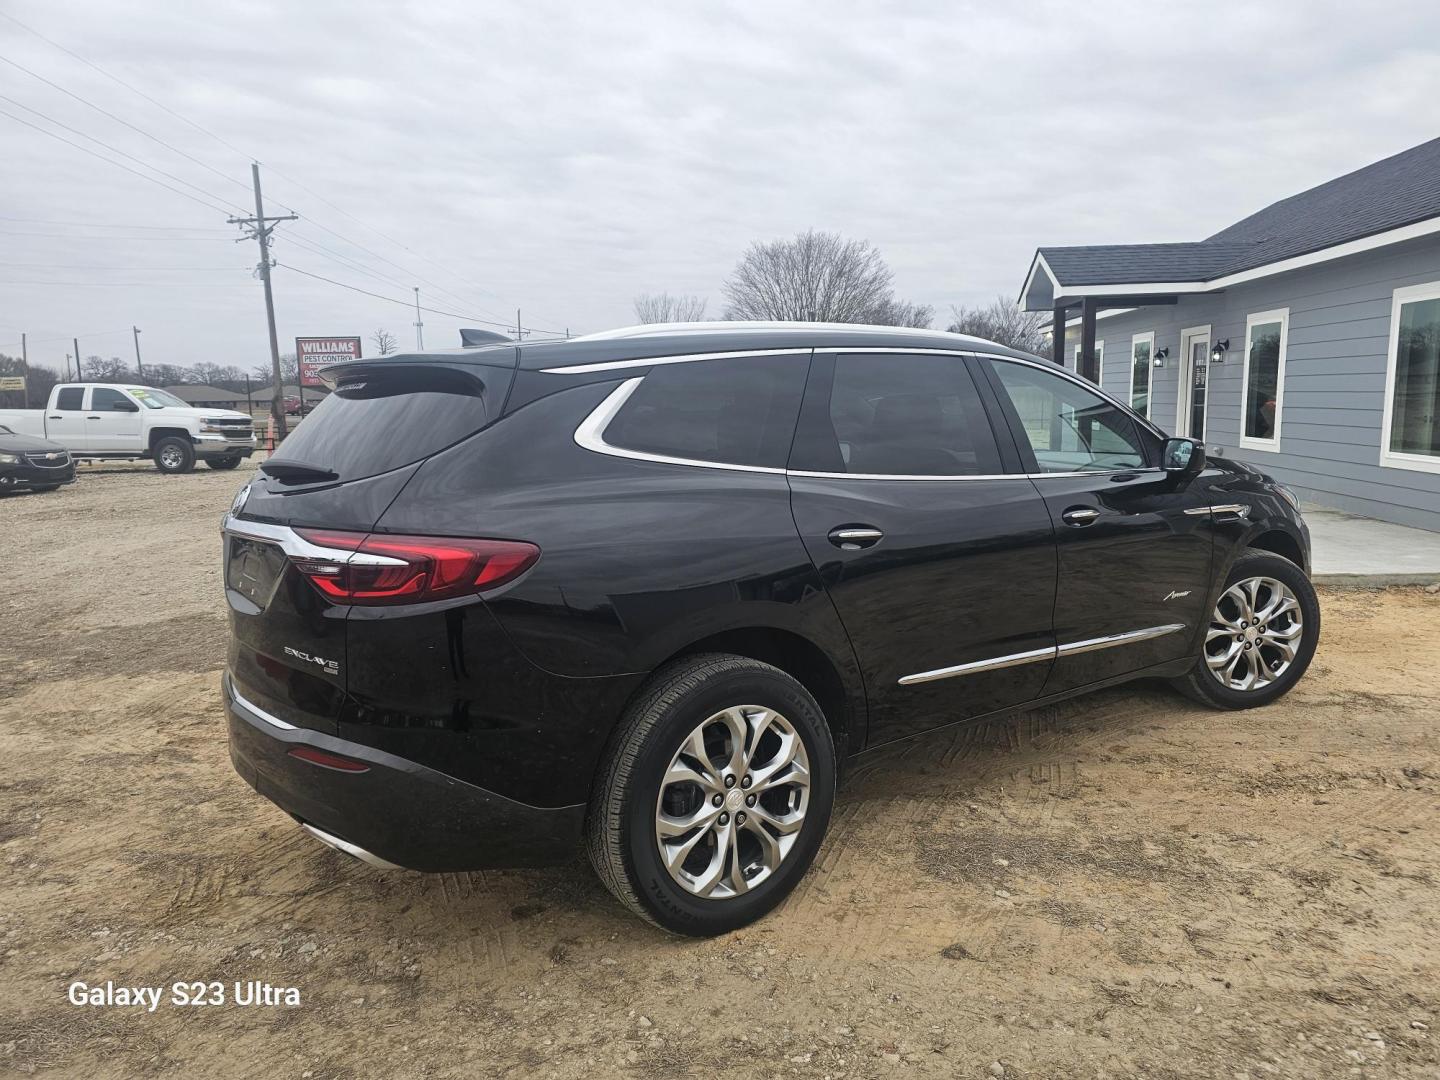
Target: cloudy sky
pixel 563 157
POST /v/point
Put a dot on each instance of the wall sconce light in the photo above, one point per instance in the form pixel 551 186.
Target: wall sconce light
pixel 1217 354
pixel 1160 355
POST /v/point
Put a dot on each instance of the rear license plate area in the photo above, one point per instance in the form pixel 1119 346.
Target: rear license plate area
pixel 253 568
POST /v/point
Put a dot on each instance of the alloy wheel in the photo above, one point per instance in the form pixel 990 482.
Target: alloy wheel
pixel 1255 634
pixel 171 457
pixel 733 801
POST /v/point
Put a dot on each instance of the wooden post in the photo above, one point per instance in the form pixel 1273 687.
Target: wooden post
pixel 1057 335
pixel 1088 367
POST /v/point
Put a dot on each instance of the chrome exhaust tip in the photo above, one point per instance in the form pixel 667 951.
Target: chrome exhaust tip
pixel 348 848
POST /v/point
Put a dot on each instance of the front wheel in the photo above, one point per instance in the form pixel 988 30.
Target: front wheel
pixel 714 796
pixel 174 455
pixel 1261 635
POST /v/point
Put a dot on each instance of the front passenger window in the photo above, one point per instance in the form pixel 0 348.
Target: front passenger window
pixel 1069 428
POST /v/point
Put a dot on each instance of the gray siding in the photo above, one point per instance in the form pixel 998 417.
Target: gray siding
pixel 1335 367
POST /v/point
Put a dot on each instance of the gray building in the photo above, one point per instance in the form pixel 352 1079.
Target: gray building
pixel 208 397
pixel 1304 338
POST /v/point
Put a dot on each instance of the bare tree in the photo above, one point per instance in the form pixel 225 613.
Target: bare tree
pixel 384 342
pixel 98 369
pixel 818 277
pixel 1003 322
pixel 664 308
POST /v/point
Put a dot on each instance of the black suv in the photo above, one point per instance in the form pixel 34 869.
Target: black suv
pixel 649 589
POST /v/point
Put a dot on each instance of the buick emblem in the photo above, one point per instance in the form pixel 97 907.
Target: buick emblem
pixel 53 457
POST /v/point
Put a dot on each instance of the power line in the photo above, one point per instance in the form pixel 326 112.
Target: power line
pixel 103 266
pixel 408 303
pixel 114 150
pixel 107 225
pixel 118 120
pixel 134 90
pixel 117 164
pixel 230 146
pixel 284 176
pixel 111 236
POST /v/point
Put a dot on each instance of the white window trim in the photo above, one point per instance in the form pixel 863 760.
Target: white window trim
pixel 1282 316
pixel 1148 336
pixel 1184 387
pixel 1389 459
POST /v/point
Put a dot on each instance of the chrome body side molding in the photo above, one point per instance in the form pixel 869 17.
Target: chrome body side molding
pixel 1073 648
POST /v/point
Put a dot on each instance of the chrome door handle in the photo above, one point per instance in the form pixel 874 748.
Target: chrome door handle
pixel 1080 516
pixel 855 536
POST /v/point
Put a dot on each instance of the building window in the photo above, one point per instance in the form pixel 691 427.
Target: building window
pixel 1099 360
pixel 1262 389
pixel 1410 438
pixel 1142 347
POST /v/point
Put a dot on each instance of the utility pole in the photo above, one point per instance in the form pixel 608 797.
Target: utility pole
pixel 25 368
pixel 139 367
pixel 419 326
pixel 519 333
pixel 260 230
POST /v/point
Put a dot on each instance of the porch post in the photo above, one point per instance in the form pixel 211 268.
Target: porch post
pixel 1057 334
pixel 1088 367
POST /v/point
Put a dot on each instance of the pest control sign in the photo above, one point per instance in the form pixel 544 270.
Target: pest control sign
pixel 315 353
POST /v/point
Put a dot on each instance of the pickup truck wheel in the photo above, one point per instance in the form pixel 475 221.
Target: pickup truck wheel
pixel 174 455
pixel 222 462
pixel 714 795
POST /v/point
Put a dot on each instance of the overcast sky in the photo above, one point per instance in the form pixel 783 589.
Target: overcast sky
pixel 564 157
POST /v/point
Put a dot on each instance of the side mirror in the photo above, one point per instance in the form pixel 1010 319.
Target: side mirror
pixel 124 406
pixel 1182 459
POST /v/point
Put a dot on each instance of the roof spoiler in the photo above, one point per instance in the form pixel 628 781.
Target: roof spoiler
pixel 470 339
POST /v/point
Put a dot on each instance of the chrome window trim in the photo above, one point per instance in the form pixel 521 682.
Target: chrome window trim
pixel 590 435
pixel 1050 652
pixel 683 358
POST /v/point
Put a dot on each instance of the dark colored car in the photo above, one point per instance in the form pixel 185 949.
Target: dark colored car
pixel 647 591
pixel 31 464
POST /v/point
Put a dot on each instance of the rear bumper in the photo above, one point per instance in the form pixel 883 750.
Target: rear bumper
pixel 398 812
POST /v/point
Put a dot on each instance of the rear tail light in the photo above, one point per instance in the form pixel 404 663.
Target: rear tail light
pixel 380 568
pixel 328 761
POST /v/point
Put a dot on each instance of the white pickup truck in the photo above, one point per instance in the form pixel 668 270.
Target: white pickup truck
pixel 117 420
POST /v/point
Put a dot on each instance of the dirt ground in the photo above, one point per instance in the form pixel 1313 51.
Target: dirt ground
pixel 1127 885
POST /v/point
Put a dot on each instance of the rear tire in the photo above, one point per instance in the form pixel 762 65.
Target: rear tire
pixel 1263 631
pixel 774 809
pixel 222 462
pixel 174 455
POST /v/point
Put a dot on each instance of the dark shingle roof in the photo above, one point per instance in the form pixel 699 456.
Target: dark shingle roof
pixel 1397 191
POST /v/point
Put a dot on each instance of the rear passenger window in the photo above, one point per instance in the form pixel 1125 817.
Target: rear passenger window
pixel 898 414
pixel 738 411
pixel 71 399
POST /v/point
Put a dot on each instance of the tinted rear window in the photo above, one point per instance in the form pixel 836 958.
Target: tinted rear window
pixel 71 399
pixel 737 411
pixel 376 422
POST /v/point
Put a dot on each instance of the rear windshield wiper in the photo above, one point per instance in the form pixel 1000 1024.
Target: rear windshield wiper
pixel 297 472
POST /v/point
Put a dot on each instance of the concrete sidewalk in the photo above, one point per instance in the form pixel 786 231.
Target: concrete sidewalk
pixel 1351 550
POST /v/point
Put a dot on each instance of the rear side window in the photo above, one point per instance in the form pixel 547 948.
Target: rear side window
pixel 734 411
pixel 71 399
pixel 897 414
pixel 378 421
